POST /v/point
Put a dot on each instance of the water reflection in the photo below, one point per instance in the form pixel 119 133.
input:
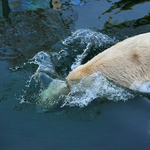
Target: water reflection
pixel 5 9
pixel 55 5
pixel 131 24
pixel 20 5
pixel 30 32
pixel 124 5
pixel 130 10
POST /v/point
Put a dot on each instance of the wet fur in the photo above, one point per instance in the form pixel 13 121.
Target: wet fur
pixel 126 63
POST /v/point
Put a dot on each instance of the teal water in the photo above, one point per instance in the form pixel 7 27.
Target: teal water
pixel 105 125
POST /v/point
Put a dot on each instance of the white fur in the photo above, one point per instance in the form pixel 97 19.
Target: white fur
pixel 126 63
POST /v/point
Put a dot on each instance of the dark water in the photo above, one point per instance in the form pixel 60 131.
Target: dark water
pixel 34 26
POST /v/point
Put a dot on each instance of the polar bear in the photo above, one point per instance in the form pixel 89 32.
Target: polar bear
pixel 126 63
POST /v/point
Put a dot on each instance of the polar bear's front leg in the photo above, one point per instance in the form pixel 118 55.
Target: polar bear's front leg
pixel 52 96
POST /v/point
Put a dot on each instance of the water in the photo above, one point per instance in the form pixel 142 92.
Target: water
pixel 89 88
pixel 42 46
pixel 89 38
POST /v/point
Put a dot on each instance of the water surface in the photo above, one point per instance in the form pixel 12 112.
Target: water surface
pixel 37 28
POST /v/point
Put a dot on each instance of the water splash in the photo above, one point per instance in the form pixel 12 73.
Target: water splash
pixel 144 88
pixel 89 38
pixel 82 92
pixel 27 96
pixel 43 60
pixel 96 86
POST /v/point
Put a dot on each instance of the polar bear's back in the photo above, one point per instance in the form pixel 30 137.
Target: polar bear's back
pixel 126 63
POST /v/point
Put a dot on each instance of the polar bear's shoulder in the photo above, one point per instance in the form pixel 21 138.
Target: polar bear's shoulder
pixel 124 63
